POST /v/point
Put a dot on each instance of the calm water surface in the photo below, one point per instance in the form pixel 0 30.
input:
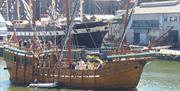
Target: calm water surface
pixel 158 75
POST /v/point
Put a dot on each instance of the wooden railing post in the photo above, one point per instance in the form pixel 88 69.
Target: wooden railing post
pixel 24 68
pixel 94 77
pixel 70 77
pixel 82 78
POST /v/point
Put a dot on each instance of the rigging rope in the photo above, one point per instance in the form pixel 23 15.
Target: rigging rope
pixel 92 39
pixel 127 20
pixel 69 28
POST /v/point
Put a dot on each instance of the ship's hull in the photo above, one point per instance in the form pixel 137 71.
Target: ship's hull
pixel 119 74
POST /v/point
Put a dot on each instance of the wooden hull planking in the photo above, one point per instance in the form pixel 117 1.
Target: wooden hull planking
pixel 118 74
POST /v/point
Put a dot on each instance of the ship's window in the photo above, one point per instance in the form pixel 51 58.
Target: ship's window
pixel 28 60
pixel 14 58
pixel 23 60
pixel 11 57
pixel 20 59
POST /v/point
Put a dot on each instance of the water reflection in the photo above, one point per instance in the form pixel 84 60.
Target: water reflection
pixel 158 75
pixel 161 76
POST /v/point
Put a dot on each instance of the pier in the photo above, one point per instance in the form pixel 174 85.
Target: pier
pixel 168 54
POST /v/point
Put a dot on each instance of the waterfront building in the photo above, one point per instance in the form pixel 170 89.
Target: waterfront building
pixel 150 20
pixel 3 30
pixel 101 6
pixel 4 8
pixel 3 33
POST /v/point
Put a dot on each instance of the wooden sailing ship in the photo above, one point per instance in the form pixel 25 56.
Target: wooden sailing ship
pixel 74 68
pixel 120 72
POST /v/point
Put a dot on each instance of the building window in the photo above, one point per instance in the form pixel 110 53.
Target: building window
pixel 165 19
pixel 145 24
pixel 173 19
pixel 2 24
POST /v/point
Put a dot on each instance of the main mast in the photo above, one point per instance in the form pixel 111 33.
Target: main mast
pixel 69 59
pixel 7 9
pixel 69 28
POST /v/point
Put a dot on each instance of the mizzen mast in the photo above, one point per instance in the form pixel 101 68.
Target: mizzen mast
pixel 81 10
pixel 18 10
pixel 126 22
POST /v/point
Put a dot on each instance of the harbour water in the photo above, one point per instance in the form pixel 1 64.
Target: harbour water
pixel 158 75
